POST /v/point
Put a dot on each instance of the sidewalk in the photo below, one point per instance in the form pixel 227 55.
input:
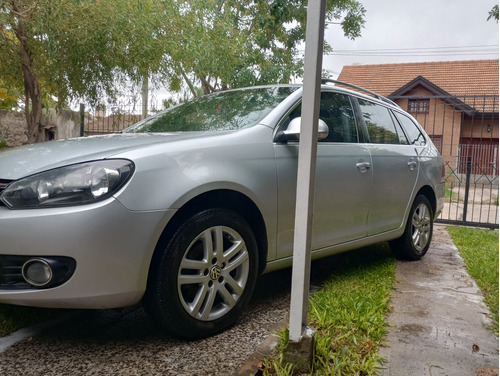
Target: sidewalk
pixel 437 324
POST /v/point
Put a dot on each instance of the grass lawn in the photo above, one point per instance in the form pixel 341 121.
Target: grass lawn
pixel 348 314
pixel 479 249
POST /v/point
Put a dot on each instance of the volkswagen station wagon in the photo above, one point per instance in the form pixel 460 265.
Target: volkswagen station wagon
pixel 184 210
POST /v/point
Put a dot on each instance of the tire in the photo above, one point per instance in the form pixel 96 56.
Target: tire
pixel 416 239
pixel 201 280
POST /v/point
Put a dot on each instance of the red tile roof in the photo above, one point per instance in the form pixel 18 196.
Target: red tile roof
pixel 459 78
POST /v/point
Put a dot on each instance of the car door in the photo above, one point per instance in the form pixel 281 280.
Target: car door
pixel 395 168
pixel 343 179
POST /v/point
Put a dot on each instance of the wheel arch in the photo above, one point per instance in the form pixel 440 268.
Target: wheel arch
pixel 428 192
pixel 226 199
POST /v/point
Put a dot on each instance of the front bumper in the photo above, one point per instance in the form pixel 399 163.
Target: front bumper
pixel 112 247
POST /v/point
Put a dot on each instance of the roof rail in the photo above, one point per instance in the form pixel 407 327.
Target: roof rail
pixel 366 91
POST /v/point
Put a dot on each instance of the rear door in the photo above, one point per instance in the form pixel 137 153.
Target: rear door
pixel 395 167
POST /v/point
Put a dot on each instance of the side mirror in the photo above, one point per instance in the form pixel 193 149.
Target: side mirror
pixel 293 131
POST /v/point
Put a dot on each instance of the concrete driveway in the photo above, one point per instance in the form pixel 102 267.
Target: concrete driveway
pixel 437 324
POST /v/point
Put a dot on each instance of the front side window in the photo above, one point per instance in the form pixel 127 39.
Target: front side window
pixel 336 111
pixel 379 123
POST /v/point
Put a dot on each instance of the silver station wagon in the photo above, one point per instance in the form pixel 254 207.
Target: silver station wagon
pixel 182 211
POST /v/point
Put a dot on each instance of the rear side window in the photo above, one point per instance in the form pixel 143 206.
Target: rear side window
pixel 414 134
pixel 379 123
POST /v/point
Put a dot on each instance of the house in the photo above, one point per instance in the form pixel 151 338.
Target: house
pixel 455 101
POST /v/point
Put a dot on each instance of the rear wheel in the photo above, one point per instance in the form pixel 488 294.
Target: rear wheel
pixel 204 275
pixel 416 239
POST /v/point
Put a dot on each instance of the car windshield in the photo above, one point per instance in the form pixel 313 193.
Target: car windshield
pixel 229 110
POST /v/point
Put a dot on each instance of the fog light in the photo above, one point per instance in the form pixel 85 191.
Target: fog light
pixel 37 272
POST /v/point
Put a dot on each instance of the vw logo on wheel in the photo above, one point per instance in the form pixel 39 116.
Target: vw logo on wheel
pixel 215 272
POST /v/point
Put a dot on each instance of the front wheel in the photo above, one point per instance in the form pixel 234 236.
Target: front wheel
pixel 416 239
pixel 204 276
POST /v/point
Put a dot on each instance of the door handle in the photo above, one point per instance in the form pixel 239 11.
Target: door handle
pixel 363 166
pixel 412 165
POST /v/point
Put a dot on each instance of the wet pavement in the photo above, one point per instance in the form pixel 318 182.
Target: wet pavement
pixel 437 326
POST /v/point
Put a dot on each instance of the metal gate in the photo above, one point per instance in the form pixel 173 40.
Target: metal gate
pixel 465 130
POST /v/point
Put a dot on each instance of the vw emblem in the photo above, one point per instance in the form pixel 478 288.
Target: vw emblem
pixel 215 272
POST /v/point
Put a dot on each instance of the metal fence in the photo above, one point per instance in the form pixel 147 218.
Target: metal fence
pixel 113 118
pixel 465 130
pixel 102 120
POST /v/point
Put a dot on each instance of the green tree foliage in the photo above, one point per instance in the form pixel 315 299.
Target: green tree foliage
pixel 77 49
pixel 69 49
pixel 493 13
pixel 234 43
pixel 8 98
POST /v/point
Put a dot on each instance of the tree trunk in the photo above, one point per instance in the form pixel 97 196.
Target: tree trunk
pixel 144 95
pixel 33 101
pixel 33 106
pixel 188 82
pixel 207 88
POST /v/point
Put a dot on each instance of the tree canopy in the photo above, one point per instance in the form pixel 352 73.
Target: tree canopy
pixel 235 43
pixel 83 49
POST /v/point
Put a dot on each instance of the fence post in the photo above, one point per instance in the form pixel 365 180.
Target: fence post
pixel 467 186
pixel 82 119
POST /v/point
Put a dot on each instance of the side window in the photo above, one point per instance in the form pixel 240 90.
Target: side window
pixel 414 134
pixel 379 123
pixel 402 137
pixel 336 111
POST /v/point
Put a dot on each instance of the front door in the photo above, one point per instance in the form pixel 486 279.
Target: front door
pixel 343 180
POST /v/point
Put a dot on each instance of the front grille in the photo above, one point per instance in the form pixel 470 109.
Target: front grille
pixel 11 272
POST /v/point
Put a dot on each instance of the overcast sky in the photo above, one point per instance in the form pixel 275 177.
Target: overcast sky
pixel 417 30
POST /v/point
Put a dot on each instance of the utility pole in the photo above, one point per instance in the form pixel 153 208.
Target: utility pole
pixel 300 350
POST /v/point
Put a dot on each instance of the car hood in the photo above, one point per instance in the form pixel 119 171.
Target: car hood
pixel 26 160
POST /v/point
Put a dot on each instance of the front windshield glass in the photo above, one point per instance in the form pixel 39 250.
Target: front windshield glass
pixel 229 110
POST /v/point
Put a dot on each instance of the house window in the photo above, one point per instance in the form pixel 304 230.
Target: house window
pixel 418 106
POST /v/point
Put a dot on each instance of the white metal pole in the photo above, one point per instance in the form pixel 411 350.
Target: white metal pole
pixel 307 168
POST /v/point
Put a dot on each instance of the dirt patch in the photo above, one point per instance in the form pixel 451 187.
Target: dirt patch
pixel 412 329
pixel 487 372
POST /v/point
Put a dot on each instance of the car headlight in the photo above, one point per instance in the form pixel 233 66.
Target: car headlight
pixel 70 185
